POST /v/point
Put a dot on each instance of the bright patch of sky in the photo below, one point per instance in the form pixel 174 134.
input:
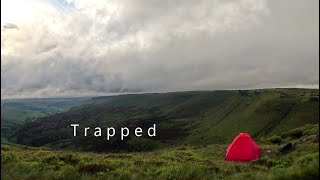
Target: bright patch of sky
pixel 63 5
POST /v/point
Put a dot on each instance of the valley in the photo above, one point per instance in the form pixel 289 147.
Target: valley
pixel 193 130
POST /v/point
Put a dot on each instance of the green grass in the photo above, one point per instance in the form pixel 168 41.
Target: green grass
pixel 13 119
pixel 182 162
pixel 193 132
pixel 192 118
pixel 17 112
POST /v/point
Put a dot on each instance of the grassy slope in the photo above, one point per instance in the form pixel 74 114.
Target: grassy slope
pixel 15 113
pixel 12 119
pixel 181 118
pixel 265 114
pixel 183 162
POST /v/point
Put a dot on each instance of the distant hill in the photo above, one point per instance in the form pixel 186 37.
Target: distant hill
pixel 204 117
pixel 17 112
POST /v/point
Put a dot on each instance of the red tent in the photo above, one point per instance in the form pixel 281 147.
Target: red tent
pixel 243 148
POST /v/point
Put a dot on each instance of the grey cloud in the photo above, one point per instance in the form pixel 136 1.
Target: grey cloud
pixel 157 46
pixel 10 26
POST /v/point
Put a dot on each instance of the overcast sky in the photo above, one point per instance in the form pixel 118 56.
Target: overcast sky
pixel 55 48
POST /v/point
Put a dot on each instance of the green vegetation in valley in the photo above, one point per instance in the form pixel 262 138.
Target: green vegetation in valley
pixel 13 119
pixel 17 112
pixel 182 162
pixel 182 118
pixel 193 132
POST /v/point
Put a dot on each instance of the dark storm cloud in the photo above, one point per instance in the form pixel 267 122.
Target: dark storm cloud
pixel 146 46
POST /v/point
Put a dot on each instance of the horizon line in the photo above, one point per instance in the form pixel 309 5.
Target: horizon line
pixel 155 92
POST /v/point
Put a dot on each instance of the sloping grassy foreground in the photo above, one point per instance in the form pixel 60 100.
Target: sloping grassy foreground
pixel 183 162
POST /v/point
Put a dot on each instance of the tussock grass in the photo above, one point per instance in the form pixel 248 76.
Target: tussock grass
pixel 183 162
